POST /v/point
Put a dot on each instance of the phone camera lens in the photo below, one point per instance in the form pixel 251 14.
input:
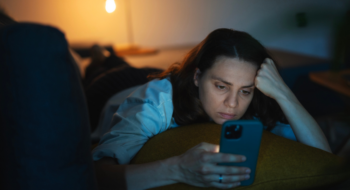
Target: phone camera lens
pixel 233 132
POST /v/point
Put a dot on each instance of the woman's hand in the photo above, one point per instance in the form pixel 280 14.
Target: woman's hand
pixel 198 167
pixel 305 128
pixel 268 80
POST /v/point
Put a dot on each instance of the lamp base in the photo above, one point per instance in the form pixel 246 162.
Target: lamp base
pixel 132 49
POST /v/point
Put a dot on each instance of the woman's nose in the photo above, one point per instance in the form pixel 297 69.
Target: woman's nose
pixel 231 101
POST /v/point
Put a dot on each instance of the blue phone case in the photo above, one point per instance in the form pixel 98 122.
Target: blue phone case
pixel 245 140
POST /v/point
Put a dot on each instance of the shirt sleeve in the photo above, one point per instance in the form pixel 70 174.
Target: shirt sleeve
pixel 284 130
pixel 145 113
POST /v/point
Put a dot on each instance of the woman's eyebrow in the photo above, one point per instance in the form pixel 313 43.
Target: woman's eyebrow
pixel 248 86
pixel 228 83
pixel 220 79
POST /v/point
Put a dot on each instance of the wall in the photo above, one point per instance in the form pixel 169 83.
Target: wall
pixel 168 23
pixel 81 20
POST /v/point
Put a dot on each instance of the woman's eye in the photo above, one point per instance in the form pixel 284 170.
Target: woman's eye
pixel 245 92
pixel 220 87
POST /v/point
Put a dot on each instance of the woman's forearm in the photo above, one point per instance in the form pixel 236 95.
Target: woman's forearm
pixel 304 126
pixel 139 176
pixel 154 174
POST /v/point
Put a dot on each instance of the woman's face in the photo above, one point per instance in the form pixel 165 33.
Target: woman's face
pixel 227 88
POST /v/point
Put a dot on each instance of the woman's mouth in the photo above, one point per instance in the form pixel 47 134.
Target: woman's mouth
pixel 227 116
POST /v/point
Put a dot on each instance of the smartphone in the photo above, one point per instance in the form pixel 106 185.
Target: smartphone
pixel 242 137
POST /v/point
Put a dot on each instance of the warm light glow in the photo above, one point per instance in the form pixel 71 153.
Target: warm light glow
pixel 110 6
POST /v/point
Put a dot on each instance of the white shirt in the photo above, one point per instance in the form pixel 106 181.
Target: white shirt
pixel 134 115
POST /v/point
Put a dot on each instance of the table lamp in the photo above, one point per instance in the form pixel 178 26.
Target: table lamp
pixel 130 48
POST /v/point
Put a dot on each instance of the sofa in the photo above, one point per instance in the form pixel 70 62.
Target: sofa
pixel 45 130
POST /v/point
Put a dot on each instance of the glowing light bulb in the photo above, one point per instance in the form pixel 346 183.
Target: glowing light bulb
pixel 110 6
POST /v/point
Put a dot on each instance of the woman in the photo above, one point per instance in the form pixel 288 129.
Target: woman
pixel 228 76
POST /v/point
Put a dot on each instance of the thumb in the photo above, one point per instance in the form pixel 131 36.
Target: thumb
pixel 210 147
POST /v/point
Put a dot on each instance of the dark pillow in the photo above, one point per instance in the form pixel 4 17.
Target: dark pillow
pixel 45 142
pixel 282 163
pixel 4 19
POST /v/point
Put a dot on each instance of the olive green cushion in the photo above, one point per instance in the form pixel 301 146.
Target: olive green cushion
pixel 282 163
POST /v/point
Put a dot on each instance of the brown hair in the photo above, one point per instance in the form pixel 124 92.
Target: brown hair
pixel 221 42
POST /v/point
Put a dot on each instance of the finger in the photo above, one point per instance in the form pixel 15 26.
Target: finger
pixel 258 72
pixel 225 185
pixel 264 70
pixel 262 66
pixel 267 71
pixel 225 178
pixel 209 147
pixel 225 170
pixel 256 82
pixel 266 66
pixel 270 61
pixel 221 157
pixel 259 80
pixel 234 178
